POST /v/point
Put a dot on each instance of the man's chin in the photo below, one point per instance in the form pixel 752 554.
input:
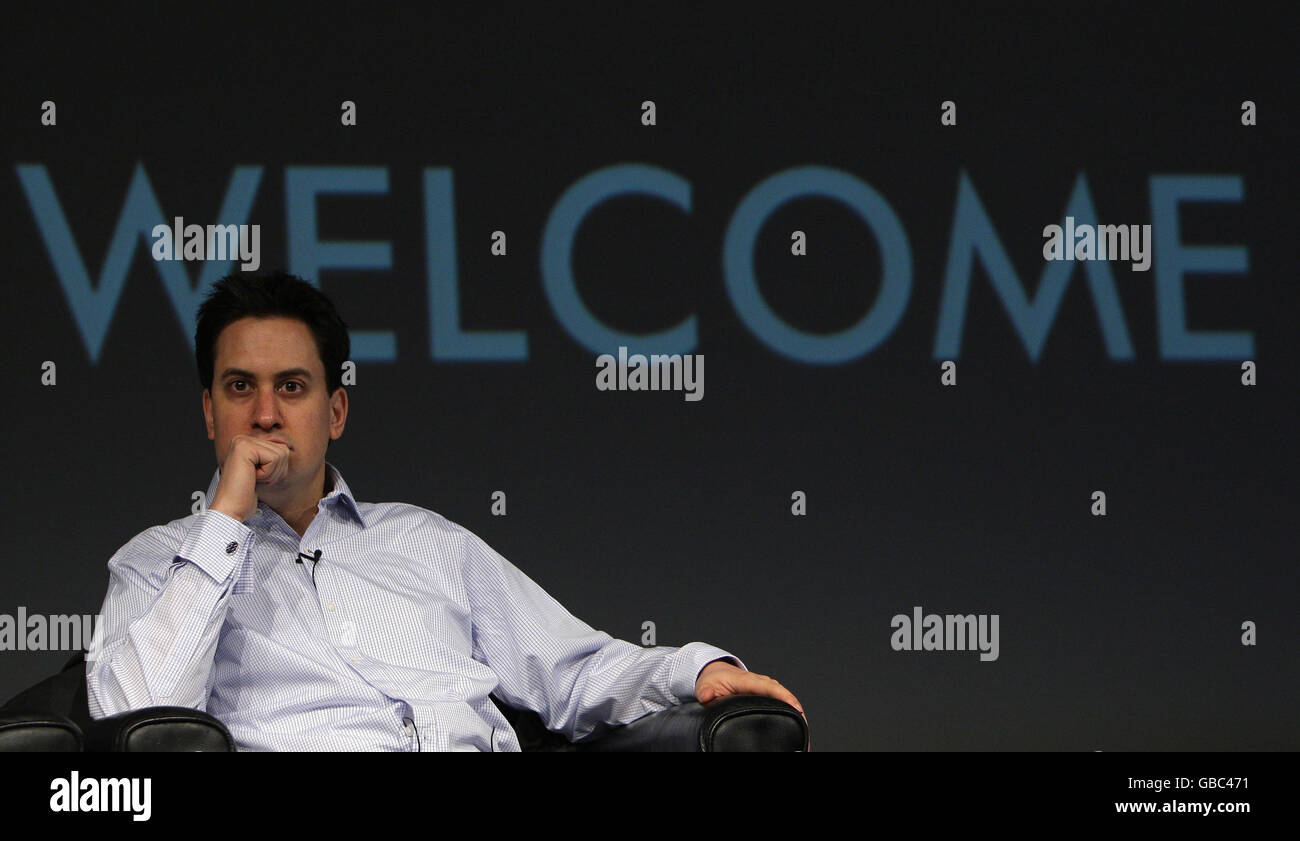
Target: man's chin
pixel 273 494
pixel 284 489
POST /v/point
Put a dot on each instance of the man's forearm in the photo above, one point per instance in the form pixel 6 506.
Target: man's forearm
pixel 622 682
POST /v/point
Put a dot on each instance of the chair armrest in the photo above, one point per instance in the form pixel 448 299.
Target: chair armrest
pixel 175 729
pixel 737 723
pixel 21 730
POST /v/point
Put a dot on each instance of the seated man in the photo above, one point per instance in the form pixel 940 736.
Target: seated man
pixel 306 620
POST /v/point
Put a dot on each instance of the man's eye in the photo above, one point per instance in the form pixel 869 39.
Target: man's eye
pixel 297 386
pixel 234 384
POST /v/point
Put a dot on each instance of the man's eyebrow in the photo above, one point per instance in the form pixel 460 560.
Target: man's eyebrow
pixel 249 375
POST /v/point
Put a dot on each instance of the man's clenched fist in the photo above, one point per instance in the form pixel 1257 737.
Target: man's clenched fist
pixel 249 462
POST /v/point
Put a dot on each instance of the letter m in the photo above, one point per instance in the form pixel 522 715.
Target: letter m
pixel 973 234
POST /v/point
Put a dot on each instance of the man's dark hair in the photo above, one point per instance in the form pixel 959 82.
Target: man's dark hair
pixel 239 295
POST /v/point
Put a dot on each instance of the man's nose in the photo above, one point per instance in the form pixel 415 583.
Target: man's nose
pixel 267 410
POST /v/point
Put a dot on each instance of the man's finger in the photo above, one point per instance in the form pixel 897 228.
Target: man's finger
pixel 752 683
pixel 775 690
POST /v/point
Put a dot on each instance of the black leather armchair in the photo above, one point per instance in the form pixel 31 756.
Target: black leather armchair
pixel 32 720
pixel 54 715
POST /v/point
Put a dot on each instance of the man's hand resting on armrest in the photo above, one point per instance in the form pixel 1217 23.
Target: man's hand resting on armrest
pixel 720 679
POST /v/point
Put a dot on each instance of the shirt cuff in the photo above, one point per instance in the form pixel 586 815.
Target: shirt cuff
pixel 218 544
pixel 690 659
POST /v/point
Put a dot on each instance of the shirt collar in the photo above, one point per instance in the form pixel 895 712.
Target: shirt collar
pixel 340 495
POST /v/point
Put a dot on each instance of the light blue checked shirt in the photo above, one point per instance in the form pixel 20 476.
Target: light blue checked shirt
pixel 410 623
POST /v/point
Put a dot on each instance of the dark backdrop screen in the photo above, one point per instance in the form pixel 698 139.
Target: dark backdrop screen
pixel 800 209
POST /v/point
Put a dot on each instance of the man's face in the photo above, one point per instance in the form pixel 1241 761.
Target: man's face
pixel 269 382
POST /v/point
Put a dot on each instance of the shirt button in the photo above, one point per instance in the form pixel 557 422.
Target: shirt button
pixel 356 660
pixel 330 606
pixel 231 547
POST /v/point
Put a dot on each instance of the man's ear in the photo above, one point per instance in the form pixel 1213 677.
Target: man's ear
pixel 338 412
pixel 207 413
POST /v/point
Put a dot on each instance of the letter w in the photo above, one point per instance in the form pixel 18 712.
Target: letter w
pixel 93 308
